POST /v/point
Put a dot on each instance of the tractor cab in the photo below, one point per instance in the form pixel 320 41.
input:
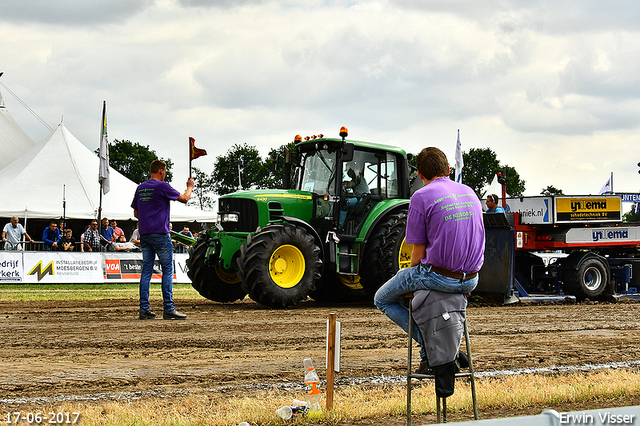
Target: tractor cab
pixel 347 180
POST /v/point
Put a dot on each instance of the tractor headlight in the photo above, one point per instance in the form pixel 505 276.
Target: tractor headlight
pixel 228 217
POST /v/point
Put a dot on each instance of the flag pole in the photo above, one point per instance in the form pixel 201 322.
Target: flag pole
pixel 190 155
pixel 104 112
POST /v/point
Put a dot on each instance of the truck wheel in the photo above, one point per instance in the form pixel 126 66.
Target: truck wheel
pixel 336 288
pixel 280 265
pixel 213 283
pixel 589 280
pixel 386 253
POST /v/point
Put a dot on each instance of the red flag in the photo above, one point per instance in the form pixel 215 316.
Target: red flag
pixel 193 151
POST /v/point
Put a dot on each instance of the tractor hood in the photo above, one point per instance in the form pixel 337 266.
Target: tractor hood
pixel 244 211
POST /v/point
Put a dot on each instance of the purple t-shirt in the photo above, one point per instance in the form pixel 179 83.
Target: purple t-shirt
pixel 447 216
pixel 152 203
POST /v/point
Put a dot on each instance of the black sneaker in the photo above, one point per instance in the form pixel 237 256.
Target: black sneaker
pixel 173 315
pixel 424 368
pixel 145 315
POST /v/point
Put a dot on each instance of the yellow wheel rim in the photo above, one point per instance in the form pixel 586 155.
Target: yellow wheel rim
pixel 227 277
pixel 351 281
pixel 404 257
pixel 286 266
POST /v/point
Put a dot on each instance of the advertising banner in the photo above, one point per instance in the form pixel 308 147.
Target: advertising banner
pixel 11 268
pixel 85 268
pixel 585 209
pixel 533 210
pixel 47 267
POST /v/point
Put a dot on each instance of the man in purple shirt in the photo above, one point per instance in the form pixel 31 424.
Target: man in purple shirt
pixel 445 226
pixel 151 207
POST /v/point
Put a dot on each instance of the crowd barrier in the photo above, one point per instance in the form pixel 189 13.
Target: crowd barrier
pixel 48 267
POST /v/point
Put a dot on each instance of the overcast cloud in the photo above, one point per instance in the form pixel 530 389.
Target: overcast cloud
pixel 552 87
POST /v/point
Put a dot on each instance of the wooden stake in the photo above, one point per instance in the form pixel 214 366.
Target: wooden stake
pixel 331 356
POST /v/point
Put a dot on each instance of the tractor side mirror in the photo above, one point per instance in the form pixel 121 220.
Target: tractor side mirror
pixel 347 152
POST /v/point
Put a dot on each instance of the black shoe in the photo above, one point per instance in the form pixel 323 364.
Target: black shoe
pixel 462 361
pixel 144 315
pixel 173 315
pixel 424 368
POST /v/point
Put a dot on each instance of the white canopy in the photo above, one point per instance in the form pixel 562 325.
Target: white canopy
pixel 62 168
pixel 13 140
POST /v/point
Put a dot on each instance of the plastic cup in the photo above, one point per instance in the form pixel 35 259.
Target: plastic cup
pixel 285 412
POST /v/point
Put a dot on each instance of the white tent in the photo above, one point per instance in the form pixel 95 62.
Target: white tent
pixel 13 140
pixel 62 169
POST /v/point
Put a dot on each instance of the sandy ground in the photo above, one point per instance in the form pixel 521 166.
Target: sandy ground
pixel 53 349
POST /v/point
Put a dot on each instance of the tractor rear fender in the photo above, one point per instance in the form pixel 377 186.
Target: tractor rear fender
pixel 380 211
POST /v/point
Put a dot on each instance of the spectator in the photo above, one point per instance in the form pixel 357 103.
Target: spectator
pixel 116 231
pixel 151 205
pixel 91 238
pixel 51 236
pixel 135 236
pixel 492 204
pixel 122 245
pixel 67 243
pixel 106 235
pixel 181 247
pixel 447 253
pixel 12 234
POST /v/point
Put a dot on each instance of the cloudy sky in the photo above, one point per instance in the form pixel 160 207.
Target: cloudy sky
pixel 552 86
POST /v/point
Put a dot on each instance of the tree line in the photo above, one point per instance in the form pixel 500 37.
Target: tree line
pixel 242 167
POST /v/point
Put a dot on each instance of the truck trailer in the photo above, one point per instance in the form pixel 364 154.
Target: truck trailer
pixel 560 246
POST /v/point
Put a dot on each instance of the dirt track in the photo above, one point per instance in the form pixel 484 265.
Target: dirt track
pixel 77 348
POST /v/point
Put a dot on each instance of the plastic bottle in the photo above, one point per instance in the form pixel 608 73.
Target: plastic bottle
pixel 312 387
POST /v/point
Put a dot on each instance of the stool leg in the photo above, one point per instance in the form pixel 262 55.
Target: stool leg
pixel 471 372
pixel 438 412
pixel 444 410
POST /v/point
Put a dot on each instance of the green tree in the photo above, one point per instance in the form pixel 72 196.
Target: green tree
pixel 225 174
pixel 481 165
pixel 551 190
pixel 133 160
pixel 632 216
pixel 274 165
pixel 201 195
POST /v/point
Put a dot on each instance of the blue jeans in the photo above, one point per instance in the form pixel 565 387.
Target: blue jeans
pixel 152 245
pixel 408 280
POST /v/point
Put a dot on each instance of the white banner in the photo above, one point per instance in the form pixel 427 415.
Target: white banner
pixel 90 268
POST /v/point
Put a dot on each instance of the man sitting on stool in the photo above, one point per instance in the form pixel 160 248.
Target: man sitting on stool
pixel 445 226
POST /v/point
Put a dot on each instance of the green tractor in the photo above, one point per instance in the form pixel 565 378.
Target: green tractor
pixel 337 237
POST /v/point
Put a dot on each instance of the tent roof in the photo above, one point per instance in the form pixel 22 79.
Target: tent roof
pixel 61 169
pixel 13 140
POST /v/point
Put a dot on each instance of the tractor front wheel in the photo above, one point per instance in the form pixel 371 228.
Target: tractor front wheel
pixel 280 265
pixel 213 283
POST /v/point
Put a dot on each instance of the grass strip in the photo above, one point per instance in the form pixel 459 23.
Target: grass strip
pixel 33 292
pixel 362 405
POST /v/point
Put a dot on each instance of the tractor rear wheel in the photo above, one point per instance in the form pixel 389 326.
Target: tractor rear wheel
pixel 213 283
pixel 386 252
pixel 280 265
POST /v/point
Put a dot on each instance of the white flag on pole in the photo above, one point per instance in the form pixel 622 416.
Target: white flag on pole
pixel 103 174
pixel 459 160
pixel 606 188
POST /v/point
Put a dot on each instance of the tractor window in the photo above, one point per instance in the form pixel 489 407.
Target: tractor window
pixel 319 173
pixel 380 172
